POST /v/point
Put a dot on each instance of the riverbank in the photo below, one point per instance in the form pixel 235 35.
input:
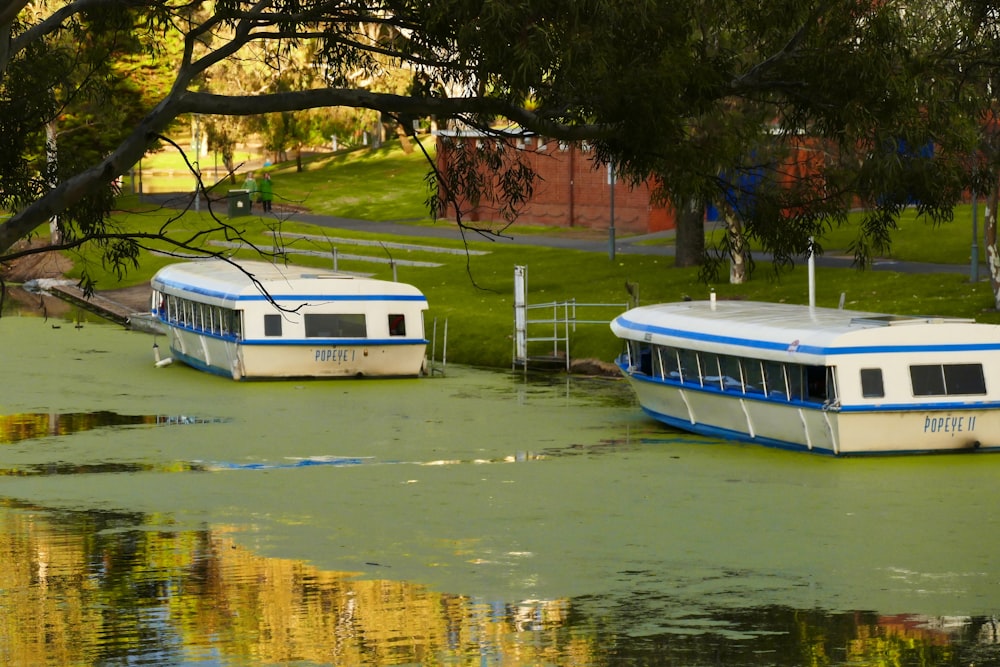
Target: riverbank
pixel 130 306
pixel 51 270
pixel 468 277
pixel 470 285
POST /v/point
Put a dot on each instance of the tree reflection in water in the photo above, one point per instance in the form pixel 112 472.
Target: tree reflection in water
pixel 32 425
pixel 117 588
pixel 497 521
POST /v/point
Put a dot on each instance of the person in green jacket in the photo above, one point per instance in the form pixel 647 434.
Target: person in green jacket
pixel 250 186
pixel 265 193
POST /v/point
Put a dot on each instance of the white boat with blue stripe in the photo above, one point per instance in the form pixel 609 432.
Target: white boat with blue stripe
pixel 260 320
pixel 820 379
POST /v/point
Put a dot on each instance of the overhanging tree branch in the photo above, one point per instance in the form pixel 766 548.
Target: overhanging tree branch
pixel 447 107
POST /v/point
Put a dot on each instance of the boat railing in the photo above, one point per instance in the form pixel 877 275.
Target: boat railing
pixel 433 365
pixel 552 324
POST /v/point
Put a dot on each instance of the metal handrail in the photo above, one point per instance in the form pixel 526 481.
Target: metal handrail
pixel 564 316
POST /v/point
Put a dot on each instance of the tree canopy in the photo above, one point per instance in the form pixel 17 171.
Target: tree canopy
pixel 887 100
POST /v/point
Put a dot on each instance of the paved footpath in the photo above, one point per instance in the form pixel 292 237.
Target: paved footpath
pixel 629 245
pixel 625 245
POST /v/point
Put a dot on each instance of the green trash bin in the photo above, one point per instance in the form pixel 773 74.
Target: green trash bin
pixel 239 203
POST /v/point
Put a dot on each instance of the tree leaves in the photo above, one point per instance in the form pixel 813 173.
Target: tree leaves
pixel 828 103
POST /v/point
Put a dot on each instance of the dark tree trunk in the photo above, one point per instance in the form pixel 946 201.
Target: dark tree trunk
pixel 690 241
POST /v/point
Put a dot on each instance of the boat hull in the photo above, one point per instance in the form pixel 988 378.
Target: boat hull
pixel 308 359
pixel 811 428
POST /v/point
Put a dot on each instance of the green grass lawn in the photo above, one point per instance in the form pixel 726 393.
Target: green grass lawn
pixel 915 239
pixel 475 293
pixel 380 184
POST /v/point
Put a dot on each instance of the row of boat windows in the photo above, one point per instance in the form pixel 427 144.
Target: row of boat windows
pixel 227 322
pixel 201 316
pixel 335 325
pixel 947 380
pixel 794 381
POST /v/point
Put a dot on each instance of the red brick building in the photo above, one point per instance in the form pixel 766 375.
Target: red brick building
pixel 571 190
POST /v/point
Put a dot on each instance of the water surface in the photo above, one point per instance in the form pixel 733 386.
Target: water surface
pixel 165 516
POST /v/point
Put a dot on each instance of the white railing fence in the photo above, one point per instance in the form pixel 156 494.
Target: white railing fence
pixel 549 326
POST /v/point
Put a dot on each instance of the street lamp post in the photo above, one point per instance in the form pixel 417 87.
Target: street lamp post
pixel 974 263
pixel 611 227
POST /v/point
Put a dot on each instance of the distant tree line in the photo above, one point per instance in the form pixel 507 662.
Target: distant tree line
pixel 710 99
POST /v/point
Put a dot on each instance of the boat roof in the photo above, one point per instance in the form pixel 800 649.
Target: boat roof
pixel 773 329
pixel 222 281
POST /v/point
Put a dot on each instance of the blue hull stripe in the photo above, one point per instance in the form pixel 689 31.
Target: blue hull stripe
pixel 335 342
pixel 200 365
pixel 739 436
pixel 725 433
pixel 358 342
pixel 881 407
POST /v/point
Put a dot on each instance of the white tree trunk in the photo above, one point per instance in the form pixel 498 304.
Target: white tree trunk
pixel 737 250
pixel 990 241
pixel 52 159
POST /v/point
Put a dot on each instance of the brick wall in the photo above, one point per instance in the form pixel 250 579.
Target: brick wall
pixel 571 191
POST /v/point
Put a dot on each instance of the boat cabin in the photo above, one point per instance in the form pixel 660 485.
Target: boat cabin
pixel 261 320
pixel 747 358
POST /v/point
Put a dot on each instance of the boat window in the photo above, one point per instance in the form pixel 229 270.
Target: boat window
pixel 658 361
pixel 671 366
pixel 336 325
pixel 947 379
pixel 831 384
pixel 689 366
pixel 732 375
pixel 964 379
pixel 710 373
pixel 272 325
pixel 871 383
pixel 774 379
pixel 634 352
pixel 816 384
pixel 795 377
pixel 397 325
pixel 645 359
pixel 753 376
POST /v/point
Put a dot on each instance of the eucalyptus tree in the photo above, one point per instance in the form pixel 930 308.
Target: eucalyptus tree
pixel 984 28
pixel 700 96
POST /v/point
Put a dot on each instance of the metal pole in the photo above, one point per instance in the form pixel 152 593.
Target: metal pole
pixel 521 315
pixel 812 275
pixel 974 262
pixel 434 342
pixel 196 144
pixel 444 347
pixel 611 227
